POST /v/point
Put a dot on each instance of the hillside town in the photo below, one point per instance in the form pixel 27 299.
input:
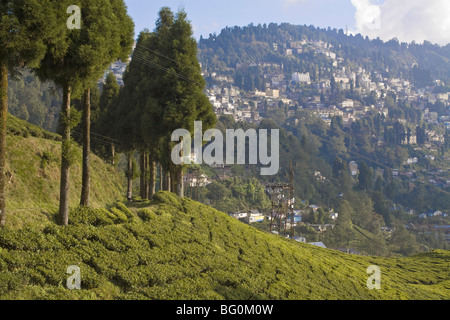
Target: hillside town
pixel 289 90
pixel 227 98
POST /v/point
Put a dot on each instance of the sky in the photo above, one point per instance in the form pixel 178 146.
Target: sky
pixel 406 20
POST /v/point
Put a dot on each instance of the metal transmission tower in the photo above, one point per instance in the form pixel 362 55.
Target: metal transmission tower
pixel 282 198
pixel 291 197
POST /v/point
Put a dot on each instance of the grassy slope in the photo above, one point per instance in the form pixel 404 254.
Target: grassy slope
pixel 33 159
pixel 176 248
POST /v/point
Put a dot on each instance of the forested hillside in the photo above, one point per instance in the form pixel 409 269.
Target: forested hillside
pixel 340 101
pixel 269 43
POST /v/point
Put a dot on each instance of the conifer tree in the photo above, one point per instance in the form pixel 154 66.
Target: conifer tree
pixel 106 34
pixel 126 114
pixel 181 99
pixel 105 122
pixel 116 45
pixel 26 27
pixel 163 92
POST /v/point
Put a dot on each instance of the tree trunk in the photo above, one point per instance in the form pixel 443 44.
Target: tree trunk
pixel 166 180
pixel 160 177
pixel 142 177
pixel 3 118
pixel 85 188
pixel 152 178
pixel 179 185
pixel 113 154
pixel 172 177
pixel 65 162
pixel 146 186
pixel 176 173
pixel 130 176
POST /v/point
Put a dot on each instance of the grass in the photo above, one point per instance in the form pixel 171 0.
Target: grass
pixel 173 248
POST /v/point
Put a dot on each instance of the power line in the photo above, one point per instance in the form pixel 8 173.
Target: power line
pixel 100 140
pixel 140 56
pixel 153 64
pixel 157 53
pixel 99 135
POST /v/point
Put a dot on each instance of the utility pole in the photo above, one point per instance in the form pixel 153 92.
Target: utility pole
pixel 291 198
pixel 282 198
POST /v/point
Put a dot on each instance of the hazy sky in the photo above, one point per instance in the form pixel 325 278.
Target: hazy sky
pixel 405 19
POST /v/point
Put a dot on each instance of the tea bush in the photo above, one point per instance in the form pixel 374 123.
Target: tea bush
pixel 190 251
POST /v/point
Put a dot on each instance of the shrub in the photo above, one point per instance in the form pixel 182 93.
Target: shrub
pixel 120 216
pixel 167 198
pixel 146 214
pixel 124 209
pixel 90 216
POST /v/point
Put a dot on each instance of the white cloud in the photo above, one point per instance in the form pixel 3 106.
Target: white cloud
pixel 406 20
pixel 367 15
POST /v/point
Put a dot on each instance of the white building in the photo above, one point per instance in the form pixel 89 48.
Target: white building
pixel 412 160
pixel 301 77
pixel 353 166
pixel 348 103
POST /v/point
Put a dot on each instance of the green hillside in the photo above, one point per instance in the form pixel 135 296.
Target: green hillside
pixel 33 169
pixel 174 248
pixel 170 248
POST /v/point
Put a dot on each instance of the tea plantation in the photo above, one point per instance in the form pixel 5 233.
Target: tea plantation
pixel 173 248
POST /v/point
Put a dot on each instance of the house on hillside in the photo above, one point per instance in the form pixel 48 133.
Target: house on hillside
pixel 412 160
pixel 433 213
pixel 255 216
pixel 334 216
pixel 318 244
pixel 194 180
pixel 353 166
pixel 300 239
pixel 239 215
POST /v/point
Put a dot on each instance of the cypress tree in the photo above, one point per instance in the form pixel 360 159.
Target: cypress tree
pixel 106 34
pixel 163 92
pixel 182 99
pixel 105 123
pixel 26 27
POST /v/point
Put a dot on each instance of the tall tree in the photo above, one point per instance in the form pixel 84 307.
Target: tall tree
pixel 104 124
pixel 344 225
pixel 106 34
pixel 128 114
pixel 26 26
pixel 181 98
pixel 364 177
pixel 163 92
pixel 113 48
